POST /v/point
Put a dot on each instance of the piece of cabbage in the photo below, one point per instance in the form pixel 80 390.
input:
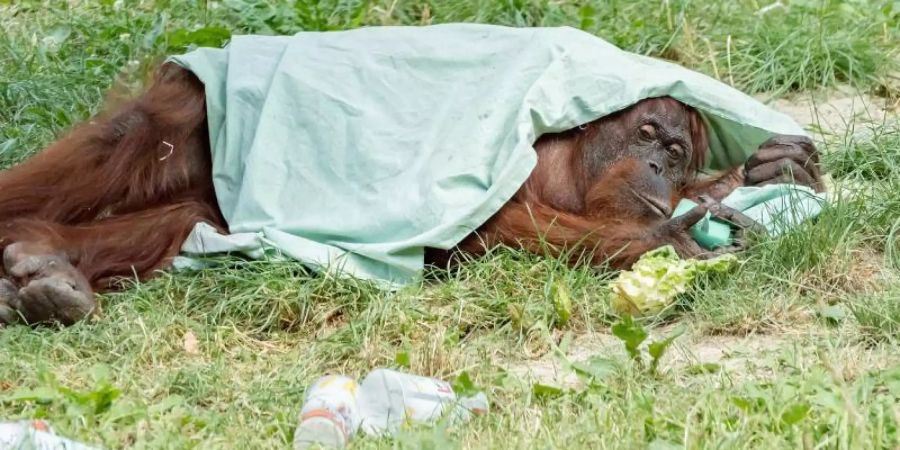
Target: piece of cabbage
pixel 658 277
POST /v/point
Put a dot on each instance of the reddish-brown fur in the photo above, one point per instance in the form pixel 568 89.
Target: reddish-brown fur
pixel 602 221
pixel 614 229
pixel 118 195
pixel 110 195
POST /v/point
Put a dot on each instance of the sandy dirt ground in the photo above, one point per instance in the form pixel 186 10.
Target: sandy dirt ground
pixel 836 112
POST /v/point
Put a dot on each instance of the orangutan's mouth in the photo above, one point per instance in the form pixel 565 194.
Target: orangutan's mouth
pixel 659 207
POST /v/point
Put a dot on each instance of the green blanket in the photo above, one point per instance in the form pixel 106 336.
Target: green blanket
pixel 353 151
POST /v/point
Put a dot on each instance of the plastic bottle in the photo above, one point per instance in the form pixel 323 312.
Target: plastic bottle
pixel 388 398
pixel 34 435
pixel 330 414
pixel 336 407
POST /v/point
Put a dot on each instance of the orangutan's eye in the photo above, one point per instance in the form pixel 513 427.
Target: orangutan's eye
pixel 674 151
pixel 647 131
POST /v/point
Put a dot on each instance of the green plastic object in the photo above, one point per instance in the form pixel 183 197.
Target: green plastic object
pixel 709 232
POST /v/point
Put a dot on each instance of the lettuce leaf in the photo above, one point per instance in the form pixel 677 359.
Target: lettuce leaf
pixel 658 277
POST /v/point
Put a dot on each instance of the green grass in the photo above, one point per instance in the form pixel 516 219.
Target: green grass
pixel 817 309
